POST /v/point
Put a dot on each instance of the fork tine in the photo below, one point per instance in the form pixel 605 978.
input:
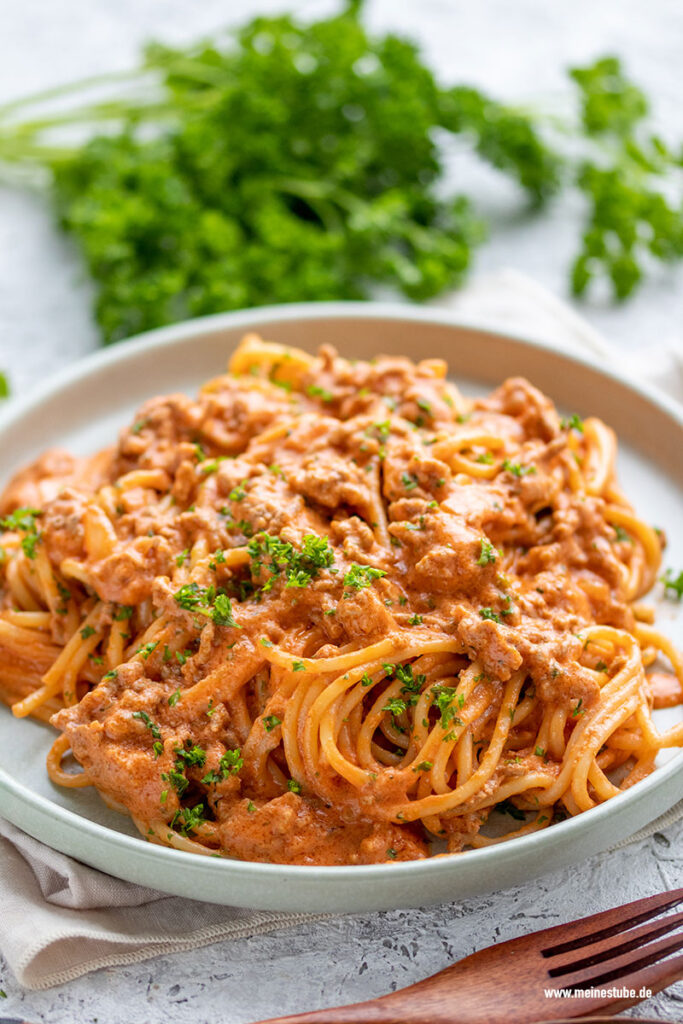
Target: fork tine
pixel 658 976
pixel 617 945
pixel 622 967
pixel 610 922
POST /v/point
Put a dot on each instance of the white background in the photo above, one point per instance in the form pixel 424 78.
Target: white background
pixel 517 49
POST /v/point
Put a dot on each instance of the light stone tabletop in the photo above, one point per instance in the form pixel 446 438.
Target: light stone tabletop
pixel 517 50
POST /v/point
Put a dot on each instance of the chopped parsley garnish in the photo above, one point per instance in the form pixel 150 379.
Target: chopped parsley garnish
pixel 123 612
pixel 314 391
pixel 488 613
pixel 423 766
pixel 415 620
pixel 147 649
pixel 366 680
pixel 23 520
pixel 601 666
pixel 486 458
pixel 188 818
pixel 142 716
pixel 360 576
pixel 215 604
pixel 298 666
pixel 572 422
pixel 448 703
pixel 222 612
pixel 86 632
pixel 409 481
pixel 382 430
pixel 180 559
pixel 396 706
pixel 622 535
pixel 673 585
pixel 28 545
pixel 212 465
pixel 112 674
pixel 517 469
pixel 270 722
pixel 577 710
pixel 539 752
pixel 293 786
pixel 410 683
pixel 280 557
pixel 194 757
pixel 423 404
pixel 174 698
pixel 238 493
pixel 230 764
pixel 391 853
pixel 488 553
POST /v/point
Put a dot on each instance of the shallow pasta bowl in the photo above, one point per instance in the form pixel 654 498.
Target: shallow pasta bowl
pixel 83 408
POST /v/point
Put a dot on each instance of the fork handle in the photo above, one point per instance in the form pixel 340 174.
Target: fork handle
pixel 355 1013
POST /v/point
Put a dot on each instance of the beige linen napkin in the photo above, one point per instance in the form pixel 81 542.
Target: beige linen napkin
pixel 60 919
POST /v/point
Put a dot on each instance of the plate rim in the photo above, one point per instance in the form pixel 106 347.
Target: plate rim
pixel 96 363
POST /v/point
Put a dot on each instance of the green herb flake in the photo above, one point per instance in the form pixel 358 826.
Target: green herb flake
pixel 409 481
pixel 147 649
pixel 517 469
pixel 238 493
pixel 314 391
pixel 673 585
pixel 572 422
pixel 360 576
pixel 143 717
pixel 487 553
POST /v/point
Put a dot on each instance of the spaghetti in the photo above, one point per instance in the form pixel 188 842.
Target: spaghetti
pixel 333 612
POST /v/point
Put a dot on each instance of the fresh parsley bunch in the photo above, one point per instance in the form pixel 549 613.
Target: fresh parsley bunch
pixel 293 162
pixel 632 182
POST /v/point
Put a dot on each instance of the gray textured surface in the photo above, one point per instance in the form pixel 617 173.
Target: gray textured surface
pixel 516 49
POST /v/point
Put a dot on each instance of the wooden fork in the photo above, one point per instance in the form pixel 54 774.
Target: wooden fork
pixel 629 947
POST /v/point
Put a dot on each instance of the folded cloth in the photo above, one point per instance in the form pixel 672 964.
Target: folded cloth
pixel 60 919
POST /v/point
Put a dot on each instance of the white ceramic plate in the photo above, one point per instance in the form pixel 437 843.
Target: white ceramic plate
pixel 83 409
